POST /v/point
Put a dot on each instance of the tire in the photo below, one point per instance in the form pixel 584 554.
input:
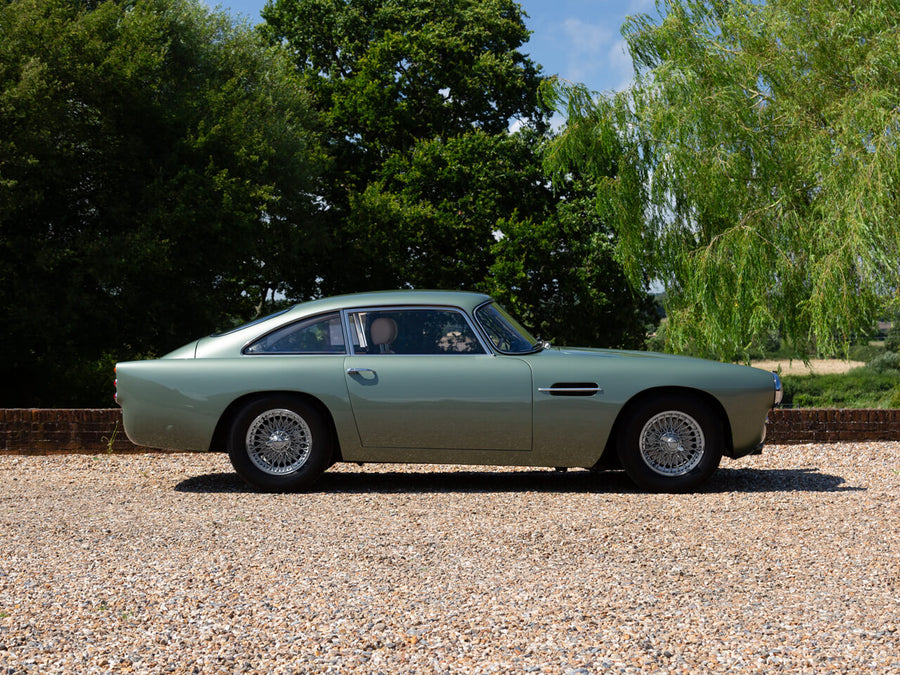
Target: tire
pixel 670 443
pixel 279 444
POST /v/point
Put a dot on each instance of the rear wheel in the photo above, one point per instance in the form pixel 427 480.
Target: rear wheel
pixel 670 444
pixel 279 444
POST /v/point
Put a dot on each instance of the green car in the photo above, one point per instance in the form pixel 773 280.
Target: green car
pixel 438 377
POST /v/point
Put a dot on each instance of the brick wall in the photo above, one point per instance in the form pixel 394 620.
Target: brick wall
pixel 45 431
pixel 25 431
pixel 829 426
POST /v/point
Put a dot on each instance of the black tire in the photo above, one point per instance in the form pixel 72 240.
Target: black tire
pixel 670 443
pixel 279 444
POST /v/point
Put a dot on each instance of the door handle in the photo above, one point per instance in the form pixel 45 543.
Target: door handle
pixel 358 371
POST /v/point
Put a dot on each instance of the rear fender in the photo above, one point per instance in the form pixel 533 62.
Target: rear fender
pixel 219 440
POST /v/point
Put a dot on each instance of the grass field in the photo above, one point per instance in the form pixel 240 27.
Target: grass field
pixel 833 383
pixel 813 367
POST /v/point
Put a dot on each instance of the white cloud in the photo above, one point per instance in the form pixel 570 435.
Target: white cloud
pixel 586 45
pixel 620 65
pixel 586 37
pixel 595 53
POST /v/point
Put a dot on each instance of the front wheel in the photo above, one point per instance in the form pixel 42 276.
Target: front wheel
pixel 279 444
pixel 670 444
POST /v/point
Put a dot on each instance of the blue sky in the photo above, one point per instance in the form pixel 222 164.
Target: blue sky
pixel 578 40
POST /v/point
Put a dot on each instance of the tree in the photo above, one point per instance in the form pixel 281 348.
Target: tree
pixel 417 85
pixel 391 73
pixel 430 218
pixel 557 272
pixel 156 174
pixel 476 212
pixel 417 98
pixel 757 162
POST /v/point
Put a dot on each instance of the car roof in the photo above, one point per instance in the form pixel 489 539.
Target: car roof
pixel 464 299
pixel 225 344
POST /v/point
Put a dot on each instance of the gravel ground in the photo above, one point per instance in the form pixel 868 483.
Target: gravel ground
pixel 788 562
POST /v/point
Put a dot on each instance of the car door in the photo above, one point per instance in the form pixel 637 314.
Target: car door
pixel 421 378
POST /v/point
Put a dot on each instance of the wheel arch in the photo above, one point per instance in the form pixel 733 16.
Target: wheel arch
pixel 220 435
pixel 715 406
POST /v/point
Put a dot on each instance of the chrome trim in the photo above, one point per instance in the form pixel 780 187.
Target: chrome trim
pixel 345 326
pixel 779 390
pixel 487 339
pixel 357 371
pixel 672 443
pixel 254 340
pixel 347 311
pixel 569 389
pixel 350 330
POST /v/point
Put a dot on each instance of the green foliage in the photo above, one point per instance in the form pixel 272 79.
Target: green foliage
pixel 416 98
pixel 865 353
pixel 756 167
pixel 892 339
pixel 885 362
pixel 428 219
pixel 558 274
pixel 877 385
pixel 657 341
pixel 155 169
pixel 859 388
pixel 389 74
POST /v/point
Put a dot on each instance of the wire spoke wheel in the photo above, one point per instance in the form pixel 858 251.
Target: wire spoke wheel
pixel 278 441
pixel 672 443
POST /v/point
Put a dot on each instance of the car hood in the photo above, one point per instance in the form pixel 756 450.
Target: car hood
pixel 644 361
pixel 588 352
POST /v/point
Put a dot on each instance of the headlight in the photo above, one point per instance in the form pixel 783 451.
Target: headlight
pixel 779 390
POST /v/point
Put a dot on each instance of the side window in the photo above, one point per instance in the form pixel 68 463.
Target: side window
pixel 319 335
pixel 412 331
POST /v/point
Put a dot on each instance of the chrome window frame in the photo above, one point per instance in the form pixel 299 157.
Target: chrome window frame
pixel 348 328
pixel 495 349
pixel 304 319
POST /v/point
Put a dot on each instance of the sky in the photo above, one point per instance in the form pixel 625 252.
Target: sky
pixel 579 40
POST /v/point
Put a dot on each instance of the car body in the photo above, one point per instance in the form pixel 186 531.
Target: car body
pixel 438 377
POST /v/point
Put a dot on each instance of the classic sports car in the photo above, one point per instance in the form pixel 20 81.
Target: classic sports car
pixel 438 377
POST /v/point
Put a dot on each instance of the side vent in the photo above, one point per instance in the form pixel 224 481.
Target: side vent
pixel 572 389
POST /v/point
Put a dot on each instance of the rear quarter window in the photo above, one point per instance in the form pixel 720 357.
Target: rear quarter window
pixel 317 335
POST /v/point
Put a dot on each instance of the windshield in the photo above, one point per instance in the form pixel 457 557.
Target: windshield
pixel 505 333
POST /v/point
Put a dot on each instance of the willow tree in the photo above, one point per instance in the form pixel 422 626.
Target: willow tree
pixel 757 167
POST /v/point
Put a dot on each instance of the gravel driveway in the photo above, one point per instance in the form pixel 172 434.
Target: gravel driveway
pixel 166 563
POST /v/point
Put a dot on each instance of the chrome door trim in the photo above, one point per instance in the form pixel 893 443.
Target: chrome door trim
pixel 351 351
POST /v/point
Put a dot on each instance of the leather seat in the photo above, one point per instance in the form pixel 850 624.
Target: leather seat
pixel 383 332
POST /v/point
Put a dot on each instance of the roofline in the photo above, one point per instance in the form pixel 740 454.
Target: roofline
pixel 465 299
